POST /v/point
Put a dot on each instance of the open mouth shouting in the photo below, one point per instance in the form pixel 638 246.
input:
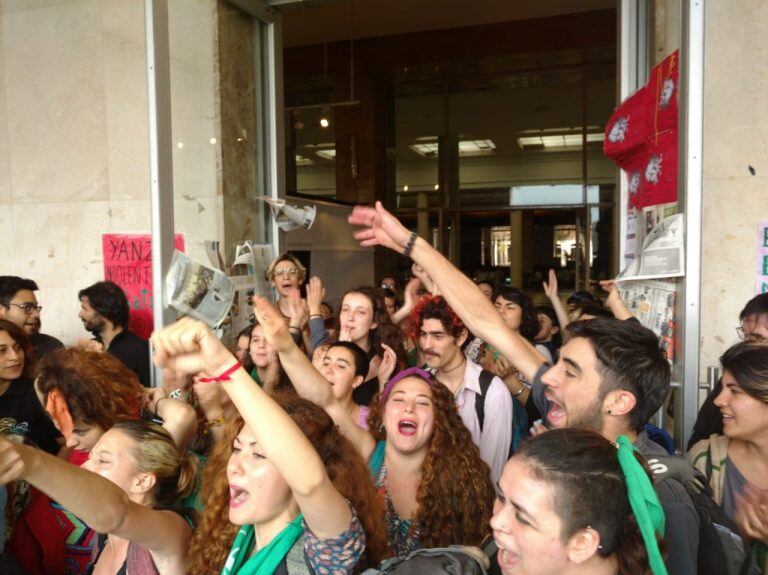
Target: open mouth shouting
pixel 407 427
pixel 556 415
pixel 237 496
pixel 507 559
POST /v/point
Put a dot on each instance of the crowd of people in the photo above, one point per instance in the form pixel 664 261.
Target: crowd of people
pixel 437 413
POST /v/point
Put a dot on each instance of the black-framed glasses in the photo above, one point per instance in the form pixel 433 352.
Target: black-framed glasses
pixel 28 307
pixel 751 337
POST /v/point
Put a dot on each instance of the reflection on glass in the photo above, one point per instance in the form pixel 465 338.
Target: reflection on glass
pixel 557 195
pixel 501 240
pixel 312 132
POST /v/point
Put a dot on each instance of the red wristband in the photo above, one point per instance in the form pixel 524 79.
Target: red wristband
pixel 222 377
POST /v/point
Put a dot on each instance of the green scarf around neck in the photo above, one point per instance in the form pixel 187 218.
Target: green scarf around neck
pixel 644 502
pixel 255 376
pixel 267 559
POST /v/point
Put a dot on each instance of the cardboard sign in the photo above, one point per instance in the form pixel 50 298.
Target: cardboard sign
pixel 762 258
pixel 128 263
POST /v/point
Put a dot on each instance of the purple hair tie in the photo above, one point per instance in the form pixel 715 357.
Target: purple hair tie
pixel 422 374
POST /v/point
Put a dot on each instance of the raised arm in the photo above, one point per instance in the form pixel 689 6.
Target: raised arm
pixel 411 296
pixel 380 228
pixel 101 504
pixel 190 347
pixel 315 297
pixel 179 418
pixel 614 301
pixel 308 381
pixel 550 290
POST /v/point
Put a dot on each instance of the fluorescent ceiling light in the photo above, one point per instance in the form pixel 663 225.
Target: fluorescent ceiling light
pixel 558 141
pixel 472 147
pixel 466 147
pixel 329 154
pixel 302 161
pixel 427 150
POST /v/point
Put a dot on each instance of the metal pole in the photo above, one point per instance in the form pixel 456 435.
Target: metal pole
pixel 160 157
pixel 691 148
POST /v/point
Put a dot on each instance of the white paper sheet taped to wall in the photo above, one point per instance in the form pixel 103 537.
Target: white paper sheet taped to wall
pixel 198 291
pixel 662 254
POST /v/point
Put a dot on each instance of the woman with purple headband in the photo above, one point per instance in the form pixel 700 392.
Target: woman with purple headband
pixel 433 488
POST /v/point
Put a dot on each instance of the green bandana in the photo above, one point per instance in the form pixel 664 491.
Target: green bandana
pixel 267 559
pixel 645 503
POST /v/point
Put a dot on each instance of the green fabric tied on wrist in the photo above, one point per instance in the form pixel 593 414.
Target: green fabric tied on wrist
pixel 644 502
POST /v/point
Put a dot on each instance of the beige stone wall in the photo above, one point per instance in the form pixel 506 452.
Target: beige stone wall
pixel 735 137
pixel 73 138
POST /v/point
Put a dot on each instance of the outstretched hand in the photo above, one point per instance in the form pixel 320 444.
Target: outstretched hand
pixel 612 289
pixel 379 228
pixel 315 295
pixel 189 347
pixel 411 293
pixel 550 288
pixel 297 308
pixel 387 365
pixel 275 329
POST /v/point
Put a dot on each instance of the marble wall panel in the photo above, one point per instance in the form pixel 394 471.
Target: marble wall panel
pixel 63 259
pixel 5 168
pixel 125 80
pixel 194 104
pixel 17 5
pixel 735 138
pixel 199 219
pixel 54 80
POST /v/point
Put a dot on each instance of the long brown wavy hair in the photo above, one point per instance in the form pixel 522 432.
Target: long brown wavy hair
pixel 456 495
pixel 215 534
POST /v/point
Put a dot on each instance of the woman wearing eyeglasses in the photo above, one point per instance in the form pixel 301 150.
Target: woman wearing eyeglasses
pixel 287 275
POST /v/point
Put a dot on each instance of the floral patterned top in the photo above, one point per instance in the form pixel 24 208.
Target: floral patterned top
pixel 337 556
pixel 403 535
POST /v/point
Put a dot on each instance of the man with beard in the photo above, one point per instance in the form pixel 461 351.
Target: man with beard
pixel 612 375
pixel 18 304
pixel 441 336
pixel 104 312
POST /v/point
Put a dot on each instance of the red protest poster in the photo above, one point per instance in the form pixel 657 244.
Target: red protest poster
pixel 128 263
pixel 641 137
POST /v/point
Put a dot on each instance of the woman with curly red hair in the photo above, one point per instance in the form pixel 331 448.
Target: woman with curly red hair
pixel 434 489
pixel 295 489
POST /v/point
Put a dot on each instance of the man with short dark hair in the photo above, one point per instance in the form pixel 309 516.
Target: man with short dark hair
pixel 611 376
pixel 18 304
pixel 104 312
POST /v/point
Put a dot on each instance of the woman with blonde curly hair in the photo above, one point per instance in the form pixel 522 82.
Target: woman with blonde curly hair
pixel 433 488
pixel 295 489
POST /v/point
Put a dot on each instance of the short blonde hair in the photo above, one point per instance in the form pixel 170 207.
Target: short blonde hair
pixel 287 258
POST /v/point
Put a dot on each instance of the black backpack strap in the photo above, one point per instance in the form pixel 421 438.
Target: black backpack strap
pixel 486 377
